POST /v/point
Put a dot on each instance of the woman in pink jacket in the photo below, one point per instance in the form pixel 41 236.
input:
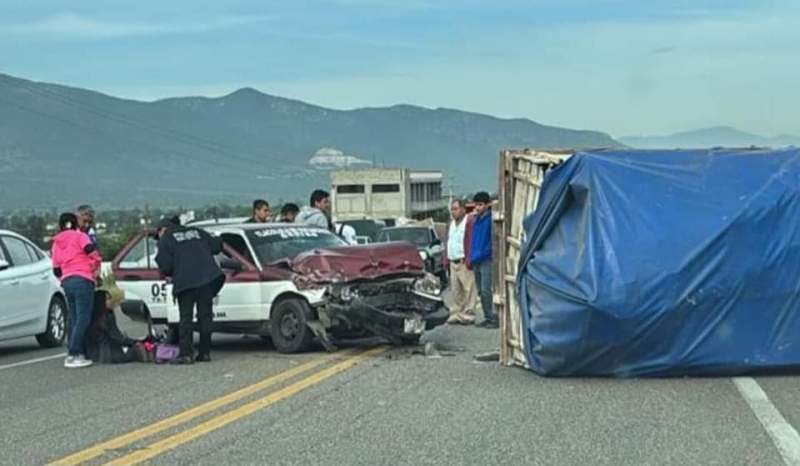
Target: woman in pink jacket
pixel 76 263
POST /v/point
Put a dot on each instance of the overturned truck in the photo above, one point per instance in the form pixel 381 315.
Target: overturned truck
pixel 650 263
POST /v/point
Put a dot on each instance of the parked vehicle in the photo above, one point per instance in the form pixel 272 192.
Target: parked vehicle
pixel 293 283
pixel 425 239
pixel 32 300
pixel 367 230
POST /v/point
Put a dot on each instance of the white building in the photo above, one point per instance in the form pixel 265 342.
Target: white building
pixel 328 158
pixel 385 193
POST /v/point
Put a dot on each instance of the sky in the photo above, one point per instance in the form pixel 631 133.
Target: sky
pixel 625 67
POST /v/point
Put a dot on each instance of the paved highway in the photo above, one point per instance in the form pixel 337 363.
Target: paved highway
pixel 369 404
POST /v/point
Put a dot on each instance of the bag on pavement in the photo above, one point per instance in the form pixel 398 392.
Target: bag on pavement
pixel 166 353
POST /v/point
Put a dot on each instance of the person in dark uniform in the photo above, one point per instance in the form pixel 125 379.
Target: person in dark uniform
pixel 261 212
pixel 186 254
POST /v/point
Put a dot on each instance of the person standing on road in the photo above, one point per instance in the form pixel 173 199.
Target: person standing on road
pixel 289 212
pixel 76 263
pixel 317 213
pixel 456 260
pixel 480 256
pixel 261 212
pixel 85 215
pixel 186 255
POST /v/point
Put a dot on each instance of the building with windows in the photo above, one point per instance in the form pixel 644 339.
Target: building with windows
pixel 385 193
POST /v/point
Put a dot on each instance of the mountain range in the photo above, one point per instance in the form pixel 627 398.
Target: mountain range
pixel 60 146
pixel 718 136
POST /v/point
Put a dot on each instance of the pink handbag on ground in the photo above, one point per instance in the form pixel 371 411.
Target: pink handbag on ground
pixel 166 353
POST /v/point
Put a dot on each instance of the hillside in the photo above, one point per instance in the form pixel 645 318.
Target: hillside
pixel 719 136
pixel 60 146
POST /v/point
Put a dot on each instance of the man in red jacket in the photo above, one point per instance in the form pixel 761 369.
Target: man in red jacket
pixel 463 293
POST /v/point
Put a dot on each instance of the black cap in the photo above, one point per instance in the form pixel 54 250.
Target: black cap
pixel 169 222
pixel 482 197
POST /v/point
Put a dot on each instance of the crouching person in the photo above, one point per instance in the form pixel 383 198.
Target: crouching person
pixel 186 255
pixel 105 342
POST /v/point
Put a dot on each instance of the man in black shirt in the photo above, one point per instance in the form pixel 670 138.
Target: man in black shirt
pixel 261 212
pixel 186 254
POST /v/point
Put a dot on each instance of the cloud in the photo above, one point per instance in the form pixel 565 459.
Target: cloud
pixel 70 25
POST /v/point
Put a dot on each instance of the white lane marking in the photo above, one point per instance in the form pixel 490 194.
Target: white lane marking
pixel 783 435
pixel 32 361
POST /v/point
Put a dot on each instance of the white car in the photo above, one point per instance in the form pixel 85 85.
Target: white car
pixel 33 302
pixel 293 283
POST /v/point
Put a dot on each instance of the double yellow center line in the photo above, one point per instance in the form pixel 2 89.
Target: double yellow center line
pixel 174 441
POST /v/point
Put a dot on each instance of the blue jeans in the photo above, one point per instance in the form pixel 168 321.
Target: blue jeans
pixel 483 280
pixel 80 299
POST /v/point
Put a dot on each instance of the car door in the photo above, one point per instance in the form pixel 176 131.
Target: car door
pixel 240 298
pixel 9 295
pixel 43 284
pixel 20 283
pixel 136 273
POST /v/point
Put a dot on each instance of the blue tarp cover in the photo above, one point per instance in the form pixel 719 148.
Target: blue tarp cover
pixel 663 263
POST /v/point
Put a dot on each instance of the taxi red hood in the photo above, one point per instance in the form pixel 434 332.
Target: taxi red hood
pixel 351 263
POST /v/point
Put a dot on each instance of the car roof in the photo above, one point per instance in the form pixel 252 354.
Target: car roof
pixel 16 235
pixel 24 238
pixel 217 221
pixel 256 226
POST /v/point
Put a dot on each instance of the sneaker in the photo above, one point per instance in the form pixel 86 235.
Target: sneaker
pixel 78 362
pixel 68 361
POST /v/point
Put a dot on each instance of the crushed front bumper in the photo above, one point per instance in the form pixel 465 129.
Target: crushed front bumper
pixel 395 315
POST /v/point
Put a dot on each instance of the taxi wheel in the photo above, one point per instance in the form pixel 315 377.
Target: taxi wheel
pixel 290 334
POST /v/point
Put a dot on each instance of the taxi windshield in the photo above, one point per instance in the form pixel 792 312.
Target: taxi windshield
pixel 274 244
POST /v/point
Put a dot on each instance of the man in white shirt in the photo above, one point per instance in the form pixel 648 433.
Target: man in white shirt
pixel 456 259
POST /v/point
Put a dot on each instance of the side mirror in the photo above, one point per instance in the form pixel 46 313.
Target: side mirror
pixel 231 264
pixel 4 265
pixel 436 242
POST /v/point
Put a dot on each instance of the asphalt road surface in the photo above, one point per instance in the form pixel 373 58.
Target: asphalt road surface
pixel 373 405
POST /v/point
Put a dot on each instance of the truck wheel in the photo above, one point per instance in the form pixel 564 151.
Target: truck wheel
pixel 290 334
pixel 56 324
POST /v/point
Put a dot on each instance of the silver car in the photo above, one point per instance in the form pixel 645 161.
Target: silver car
pixel 31 300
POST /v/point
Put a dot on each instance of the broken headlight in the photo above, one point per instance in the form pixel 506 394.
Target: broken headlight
pixel 347 294
pixel 428 285
pixel 343 293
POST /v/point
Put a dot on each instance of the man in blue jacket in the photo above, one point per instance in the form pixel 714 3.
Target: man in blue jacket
pixel 480 256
